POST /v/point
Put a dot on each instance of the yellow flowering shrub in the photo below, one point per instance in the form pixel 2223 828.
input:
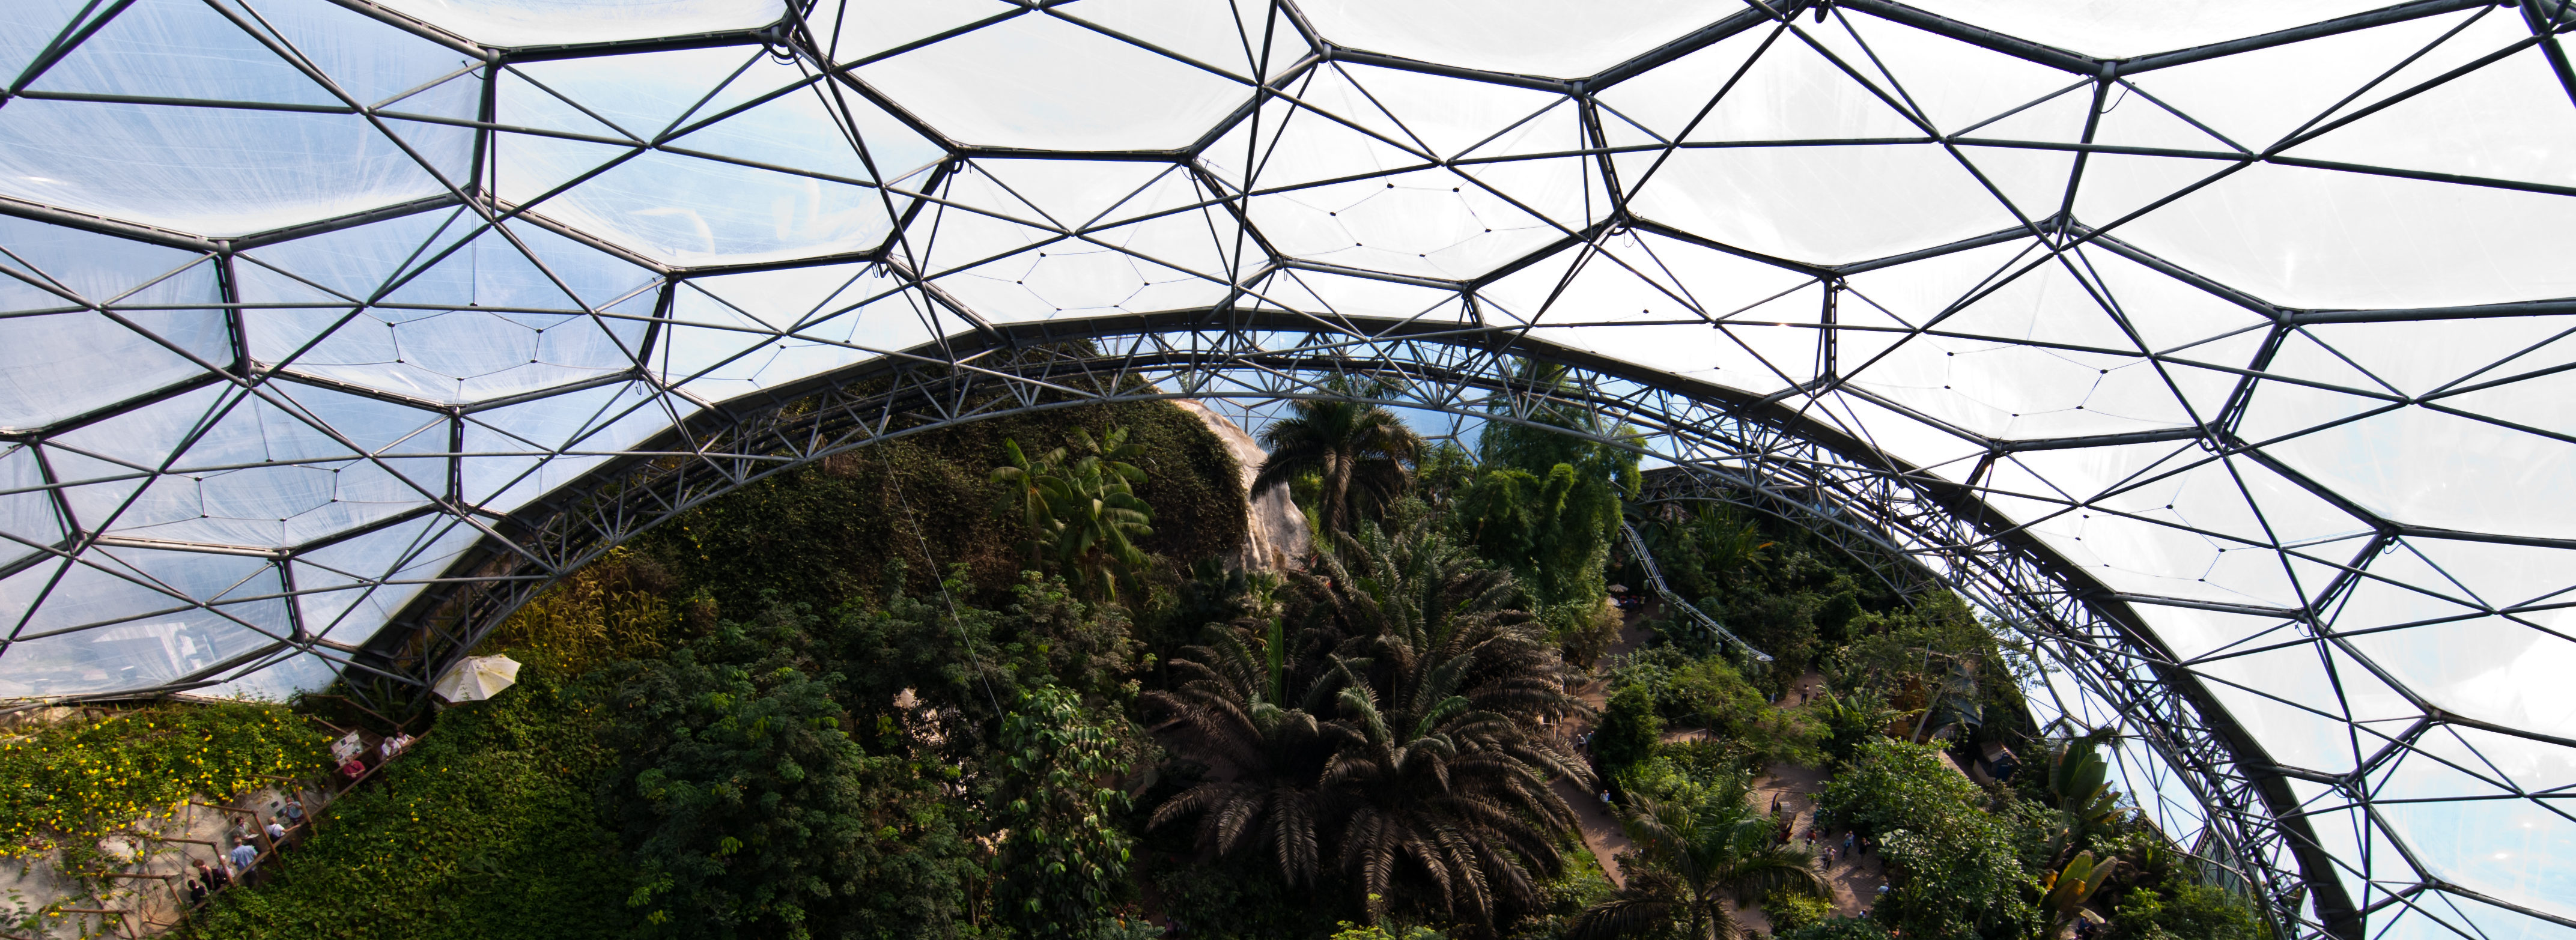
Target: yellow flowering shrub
pixel 80 780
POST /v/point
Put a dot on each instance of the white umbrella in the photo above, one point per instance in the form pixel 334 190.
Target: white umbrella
pixel 477 678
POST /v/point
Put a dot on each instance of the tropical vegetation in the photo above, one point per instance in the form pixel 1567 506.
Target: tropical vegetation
pixel 1706 857
pixel 1000 681
pixel 1398 735
pixel 1355 458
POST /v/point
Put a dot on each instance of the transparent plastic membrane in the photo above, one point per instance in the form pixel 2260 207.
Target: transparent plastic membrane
pixel 2256 318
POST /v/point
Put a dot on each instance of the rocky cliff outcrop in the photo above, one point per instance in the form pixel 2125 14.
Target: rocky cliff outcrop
pixel 1275 535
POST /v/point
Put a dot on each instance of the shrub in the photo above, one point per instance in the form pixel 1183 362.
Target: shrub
pixel 77 781
pixel 1790 911
pixel 1629 729
pixel 751 812
pixel 2183 909
pixel 1065 865
pixel 1839 928
pixel 1962 867
pixel 485 830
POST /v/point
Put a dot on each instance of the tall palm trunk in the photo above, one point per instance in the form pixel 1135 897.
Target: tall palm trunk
pixel 1336 501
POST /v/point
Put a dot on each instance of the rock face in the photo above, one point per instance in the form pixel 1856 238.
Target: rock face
pixel 1275 535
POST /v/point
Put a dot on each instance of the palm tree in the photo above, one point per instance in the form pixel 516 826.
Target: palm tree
pixel 1100 512
pixel 1227 711
pixel 1031 497
pixel 1413 750
pixel 1357 452
pixel 1082 511
pixel 1703 863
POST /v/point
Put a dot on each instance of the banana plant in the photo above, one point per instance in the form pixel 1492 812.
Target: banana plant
pixel 2077 777
pixel 1079 507
pixel 2066 890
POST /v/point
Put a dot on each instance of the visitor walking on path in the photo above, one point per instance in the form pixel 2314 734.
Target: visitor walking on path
pixel 245 860
pixel 216 878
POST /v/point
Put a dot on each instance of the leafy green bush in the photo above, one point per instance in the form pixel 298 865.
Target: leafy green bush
pixel 1687 772
pixel 485 829
pixel 2183 910
pixel 751 812
pixel 1629 728
pixel 1544 502
pixel 1065 865
pixel 1963 875
pixel 1790 911
pixel 76 781
pixel 1839 928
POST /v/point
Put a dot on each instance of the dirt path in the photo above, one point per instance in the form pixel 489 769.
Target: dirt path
pixel 1794 789
pixel 1601 830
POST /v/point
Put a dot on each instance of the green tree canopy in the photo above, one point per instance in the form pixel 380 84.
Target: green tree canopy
pixel 1963 873
pixel 1064 866
pixel 1546 499
pixel 1079 507
pixel 750 810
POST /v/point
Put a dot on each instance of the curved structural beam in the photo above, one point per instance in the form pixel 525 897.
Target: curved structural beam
pixel 1756 449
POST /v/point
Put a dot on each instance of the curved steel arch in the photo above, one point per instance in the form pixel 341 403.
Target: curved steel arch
pixel 1750 449
pixel 1747 448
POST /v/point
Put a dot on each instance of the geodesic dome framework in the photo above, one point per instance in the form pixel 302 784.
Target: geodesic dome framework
pixel 2220 347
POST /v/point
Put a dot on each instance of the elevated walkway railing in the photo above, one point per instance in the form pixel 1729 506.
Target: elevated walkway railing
pixel 1672 601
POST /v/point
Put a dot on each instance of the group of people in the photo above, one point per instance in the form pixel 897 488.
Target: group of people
pixel 354 756
pixel 1853 846
pixel 240 865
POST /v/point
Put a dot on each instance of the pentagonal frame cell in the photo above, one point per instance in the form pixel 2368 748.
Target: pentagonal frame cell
pixel 82 305
pixel 499 23
pixel 1071 87
pixel 451 310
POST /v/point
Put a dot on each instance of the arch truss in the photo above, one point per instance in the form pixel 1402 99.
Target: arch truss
pixel 2224 357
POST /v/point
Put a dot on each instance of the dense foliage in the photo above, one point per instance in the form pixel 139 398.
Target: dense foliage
pixel 750 811
pixel 486 828
pixel 1964 873
pixel 72 782
pixel 1545 501
pixel 1077 505
pixel 859 701
pixel 1396 736
pixel 1066 859
pixel 823 535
